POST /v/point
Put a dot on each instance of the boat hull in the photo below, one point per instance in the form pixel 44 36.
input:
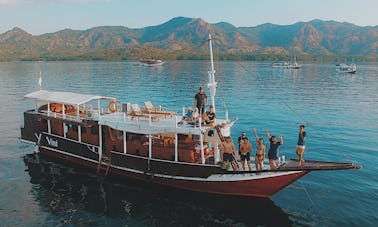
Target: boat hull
pixel 233 184
pixel 263 187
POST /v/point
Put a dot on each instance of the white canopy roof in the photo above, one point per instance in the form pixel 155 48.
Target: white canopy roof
pixel 63 97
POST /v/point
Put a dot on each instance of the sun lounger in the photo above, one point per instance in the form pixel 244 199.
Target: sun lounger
pixel 136 111
pixel 150 109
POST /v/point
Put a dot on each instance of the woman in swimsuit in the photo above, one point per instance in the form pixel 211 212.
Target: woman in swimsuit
pixel 260 152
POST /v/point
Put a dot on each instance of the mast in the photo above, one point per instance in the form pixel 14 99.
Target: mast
pixel 212 85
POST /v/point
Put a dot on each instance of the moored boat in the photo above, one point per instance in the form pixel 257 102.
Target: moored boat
pixel 151 62
pixel 150 145
pixel 346 68
pixel 280 64
pixel 287 65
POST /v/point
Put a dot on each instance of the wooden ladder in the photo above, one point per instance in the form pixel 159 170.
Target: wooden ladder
pixel 104 165
pixel 220 135
pixel 227 145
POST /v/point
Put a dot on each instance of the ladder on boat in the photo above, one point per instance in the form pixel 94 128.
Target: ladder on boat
pixel 227 145
pixel 223 140
pixel 220 135
pixel 104 165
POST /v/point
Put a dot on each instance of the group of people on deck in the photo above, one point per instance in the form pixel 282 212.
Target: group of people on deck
pixel 245 148
pixel 193 117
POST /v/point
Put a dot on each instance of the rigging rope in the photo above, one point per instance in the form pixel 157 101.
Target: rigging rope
pixel 308 196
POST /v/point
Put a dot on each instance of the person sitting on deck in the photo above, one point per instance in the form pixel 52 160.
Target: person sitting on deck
pixel 209 117
pixel 195 115
pixel 189 115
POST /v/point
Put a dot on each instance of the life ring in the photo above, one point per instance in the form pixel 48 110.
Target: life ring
pixel 113 106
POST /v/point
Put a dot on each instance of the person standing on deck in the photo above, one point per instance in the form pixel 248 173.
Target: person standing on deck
pixel 273 149
pixel 301 144
pixel 242 136
pixel 200 100
pixel 260 152
pixel 245 151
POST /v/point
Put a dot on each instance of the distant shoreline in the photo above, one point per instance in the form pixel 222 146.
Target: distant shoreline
pixel 200 57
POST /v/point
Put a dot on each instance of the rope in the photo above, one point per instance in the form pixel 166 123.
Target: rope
pixel 308 196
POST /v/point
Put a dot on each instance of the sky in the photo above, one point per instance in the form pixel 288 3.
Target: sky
pixel 47 16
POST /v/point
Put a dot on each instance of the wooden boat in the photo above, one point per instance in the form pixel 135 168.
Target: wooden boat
pixel 91 131
pixel 346 68
pixel 151 62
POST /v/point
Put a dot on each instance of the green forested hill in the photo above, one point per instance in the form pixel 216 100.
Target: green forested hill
pixel 184 38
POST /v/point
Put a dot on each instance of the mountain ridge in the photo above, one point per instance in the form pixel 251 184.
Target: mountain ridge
pixel 183 36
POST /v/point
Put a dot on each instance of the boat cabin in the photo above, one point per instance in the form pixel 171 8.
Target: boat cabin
pixel 97 121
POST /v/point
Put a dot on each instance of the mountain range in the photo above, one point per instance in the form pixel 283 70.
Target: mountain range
pixel 181 37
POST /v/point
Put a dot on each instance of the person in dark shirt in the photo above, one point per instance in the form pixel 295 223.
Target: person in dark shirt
pixel 274 148
pixel 301 145
pixel 210 116
pixel 200 100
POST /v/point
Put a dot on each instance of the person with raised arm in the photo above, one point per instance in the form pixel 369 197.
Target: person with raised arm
pixel 274 149
pixel 301 145
pixel 260 152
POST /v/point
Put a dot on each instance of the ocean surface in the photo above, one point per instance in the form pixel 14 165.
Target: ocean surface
pixel 340 112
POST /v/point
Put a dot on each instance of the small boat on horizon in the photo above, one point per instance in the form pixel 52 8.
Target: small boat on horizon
pixel 287 65
pixel 151 62
pixel 346 68
pixel 150 145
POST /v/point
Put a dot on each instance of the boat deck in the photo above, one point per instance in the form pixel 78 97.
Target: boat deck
pixel 292 165
pixel 311 165
pixel 152 123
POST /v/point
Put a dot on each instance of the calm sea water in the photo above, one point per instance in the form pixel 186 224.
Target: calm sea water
pixel 340 112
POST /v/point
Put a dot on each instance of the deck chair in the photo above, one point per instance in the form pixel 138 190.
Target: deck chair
pixel 137 112
pixel 150 109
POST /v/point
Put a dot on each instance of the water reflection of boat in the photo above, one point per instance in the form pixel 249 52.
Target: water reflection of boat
pixel 148 144
pixel 346 68
pixel 151 62
pixel 79 197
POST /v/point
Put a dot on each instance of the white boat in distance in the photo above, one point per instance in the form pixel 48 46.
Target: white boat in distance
pixel 346 68
pixel 151 62
pixel 287 65
pixel 282 64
